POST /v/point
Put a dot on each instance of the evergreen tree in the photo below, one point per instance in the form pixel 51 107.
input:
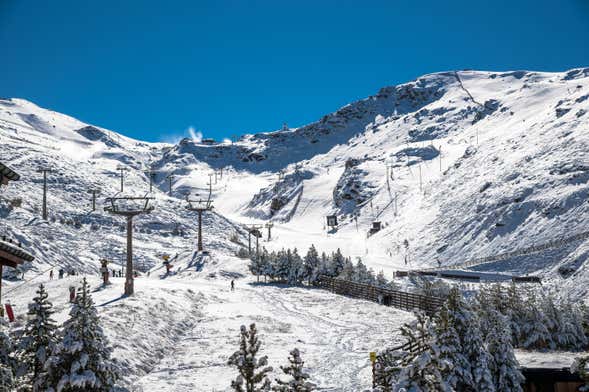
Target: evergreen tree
pixel 348 271
pixel 81 362
pixel 381 280
pixel 361 272
pixel 298 381
pixel 515 313
pixel 7 363
pixel 370 277
pixel 281 268
pixel 423 370
pixel 37 341
pixel 296 270
pixel 337 261
pixel 534 330
pixel 253 372
pixel 504 366
pixel 324 266
pixel 462 318
pixel 456 366
pixel 311 265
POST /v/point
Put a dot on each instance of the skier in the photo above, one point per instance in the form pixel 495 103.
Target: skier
pixel 61 271
pixel 232 285
pixel 51 275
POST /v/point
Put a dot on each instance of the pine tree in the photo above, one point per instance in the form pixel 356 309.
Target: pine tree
pixel 253 372
pixel 37 341
pixel 515 313
pixel 7 363
pixel 456 366
pixel 423 370
pixel 311 265
pixel 337 261
pixel 324 266
pixel 504 366
pixel 381 280
pixel 534 330
pixel 348 271
pixel 463 320
pixel 361 272
pixel 296 270
pixel 282 266
pixel 298 381
pixel 81 360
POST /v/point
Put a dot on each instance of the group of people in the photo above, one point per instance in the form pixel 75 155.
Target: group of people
pixel 61 273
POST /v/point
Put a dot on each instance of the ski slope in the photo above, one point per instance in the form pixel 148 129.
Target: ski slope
pixel 177 333
pixel 479 163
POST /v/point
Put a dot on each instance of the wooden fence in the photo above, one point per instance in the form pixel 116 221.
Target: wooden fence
pixel 398 299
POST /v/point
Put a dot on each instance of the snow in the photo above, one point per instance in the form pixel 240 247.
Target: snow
pixel 512 173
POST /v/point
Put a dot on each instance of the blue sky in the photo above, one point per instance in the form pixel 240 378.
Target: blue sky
pixel 152 69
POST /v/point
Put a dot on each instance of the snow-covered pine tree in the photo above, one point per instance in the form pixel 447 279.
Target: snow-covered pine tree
pixel 423 370
pixel 311 265
pixel 37 342
pixel 253 372
pixel 337 263
pixel 324 266
pixel 81 360
pixel 464 321
pixel 456 366
pixel 515 313
pixel 298 378
pixel 348 271
pixel 361 272
pixel 370 277
pixel 271 266
pixel 570 335
pixel 7 363
pixel 282 265
pixel 534 332
pixel 296 271
pixel 381 280
pixel 504 366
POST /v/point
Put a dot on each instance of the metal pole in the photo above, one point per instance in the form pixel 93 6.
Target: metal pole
pixel 200 230
pixel 129 273
pixel 420 180
pixel 257 247
pixel 1 307
pixel 170 184
pixel 122 180
pixel 44 194
pixel 249 242
pixel 93 201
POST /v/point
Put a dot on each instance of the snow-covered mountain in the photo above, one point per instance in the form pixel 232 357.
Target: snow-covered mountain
pixel 478 163
pixel 481 163
pixel 501 157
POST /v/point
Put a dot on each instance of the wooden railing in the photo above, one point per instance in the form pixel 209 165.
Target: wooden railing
pixel 398 299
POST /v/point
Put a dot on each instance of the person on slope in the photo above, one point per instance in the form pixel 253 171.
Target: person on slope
pixel 51 275
pixel 232 285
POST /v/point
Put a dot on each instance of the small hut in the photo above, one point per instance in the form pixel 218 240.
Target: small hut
pixel 11 253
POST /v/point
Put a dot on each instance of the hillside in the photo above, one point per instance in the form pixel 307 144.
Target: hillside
pixel 478 163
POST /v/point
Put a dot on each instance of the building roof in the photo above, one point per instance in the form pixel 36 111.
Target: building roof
pixel 12 254
pixel 7 172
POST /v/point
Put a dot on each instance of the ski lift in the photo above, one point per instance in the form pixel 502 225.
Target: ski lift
pixel 332 221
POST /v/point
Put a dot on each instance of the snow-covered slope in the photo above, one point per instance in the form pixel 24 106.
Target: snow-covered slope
pixel 479 163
